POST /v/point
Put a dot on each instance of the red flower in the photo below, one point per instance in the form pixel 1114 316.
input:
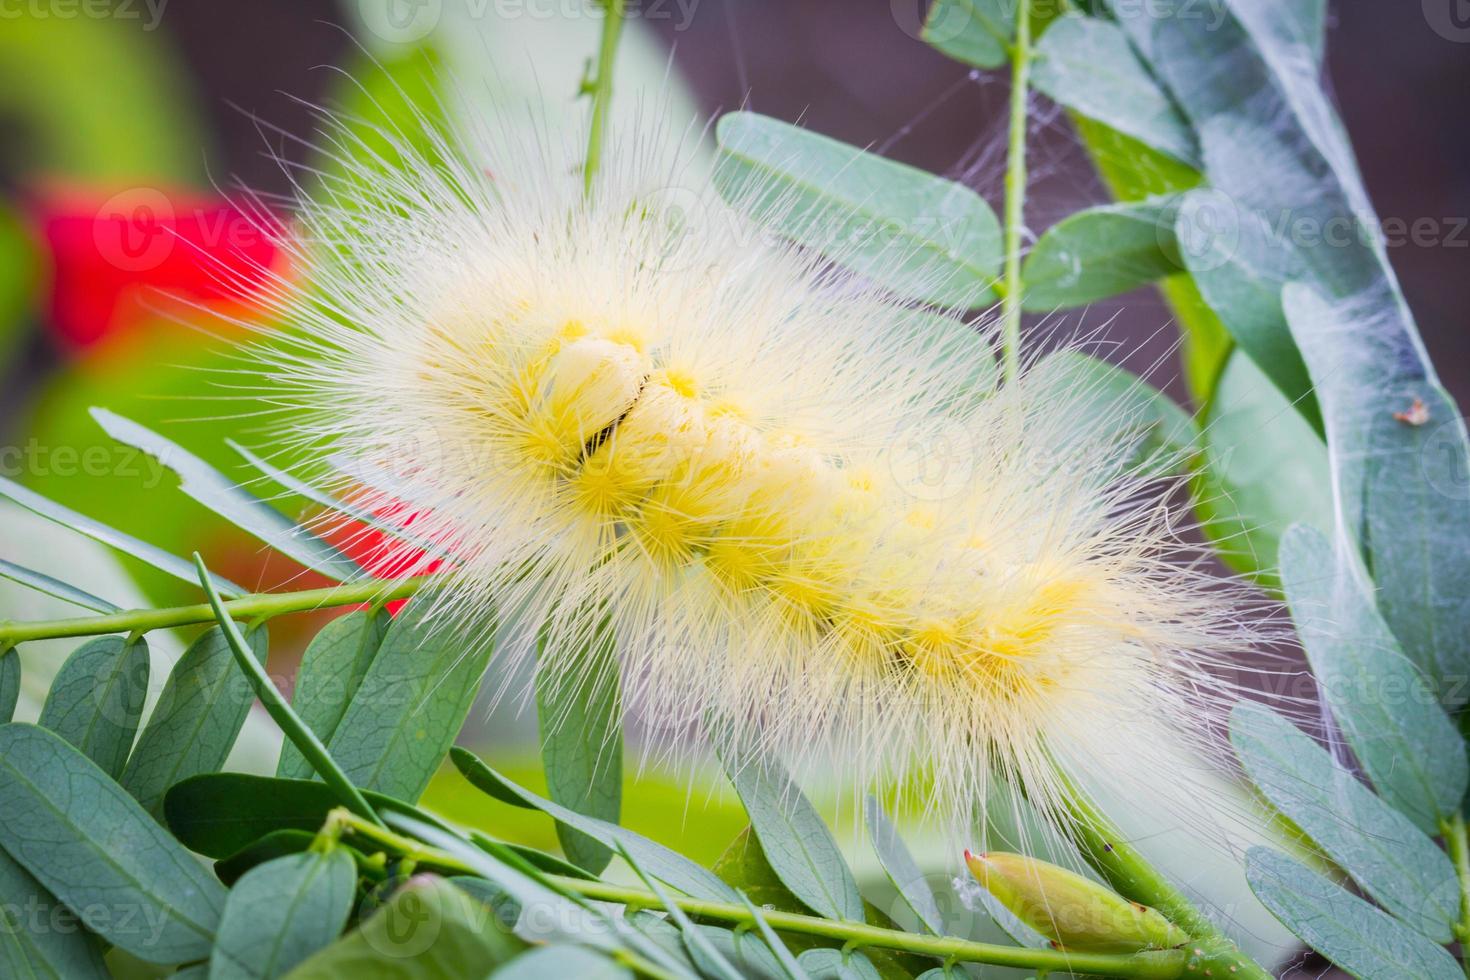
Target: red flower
pixel 125 257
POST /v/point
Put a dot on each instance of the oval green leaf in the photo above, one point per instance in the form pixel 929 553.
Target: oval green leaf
pixel 92 846
pixel 1392 860
pixel 411 702
pixel 924 237
pixel 332 669
pixel 281 912
pixel 96 699
pixel 562 961
pixel 39 937
pixel 1406 743
pixel 1100 252
pixel 1088 65
pixel 198 716
pixel 1354 935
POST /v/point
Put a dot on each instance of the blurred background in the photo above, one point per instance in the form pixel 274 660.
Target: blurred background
pixel 132 130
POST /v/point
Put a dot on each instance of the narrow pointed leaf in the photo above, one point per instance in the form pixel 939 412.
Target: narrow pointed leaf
pixel 1392 860
pixel 113 538
pixel 834 964
pixel 579 707
pixel 411 703
pixel 921 236
pixel 796 841
pixel 898 864
pixel 659 861
pixel 1354 935
pixel 54 587
pixel 96 699
pixel 332 669
pixel 92 846
pixel 198 716
pixel 281 912
pixel 229 500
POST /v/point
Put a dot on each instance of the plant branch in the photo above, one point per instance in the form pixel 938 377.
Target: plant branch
pixel 290 724
pixel 255 606
pixel 1135 878
pixel 1150 965
pixel 600 88
pixel 1015 204
pixel 1455 841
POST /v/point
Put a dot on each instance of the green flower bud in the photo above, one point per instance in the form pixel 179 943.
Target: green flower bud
pixel 1074 912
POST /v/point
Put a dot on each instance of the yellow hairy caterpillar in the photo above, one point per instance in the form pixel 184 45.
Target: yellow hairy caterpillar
pixel 804 516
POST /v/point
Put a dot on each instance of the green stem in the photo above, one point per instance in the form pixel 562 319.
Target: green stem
pixel 255 606
pixel 1135 878
pixel 600 88
pixel 1152 965
pixel 1015 205
pixel 1455 840
pixel 291 725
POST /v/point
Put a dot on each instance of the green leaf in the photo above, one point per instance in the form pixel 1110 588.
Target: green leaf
pixel 225 497
pixel 1390 859
pixel 332 669
pixel 921 236
pixel 281 912
pixel 412 702
pixel 9 683
pixel 113 538
pixel 1404 481
pixel 54 587
pixel 96 699
pixel 277 844
pixel 796 842
pixel 91 845
pixel 540 860
pixel 40 937
pixel 1239 264
pixel 710 960
pixel 976 32
pixel 198 716
pixel 1088 65
pixel 789 965
pixel 1347 930
pixel 898 864
pixel 1263 469
pixel 430 930
pixel 834 964
pixel 579 705
pixel 662 863
pixel 1101 252
pixel 217 814
pixel 562 961
pixel 1405 742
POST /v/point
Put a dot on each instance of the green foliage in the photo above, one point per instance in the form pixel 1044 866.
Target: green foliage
pixel 194 725
pixel 91 845
pixel 921 236
pixel 281 912
pixel 1344 928
pixel 96 699
pixel 411 702
pixel 332 669
pixel 580 710
pixel 1315 404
